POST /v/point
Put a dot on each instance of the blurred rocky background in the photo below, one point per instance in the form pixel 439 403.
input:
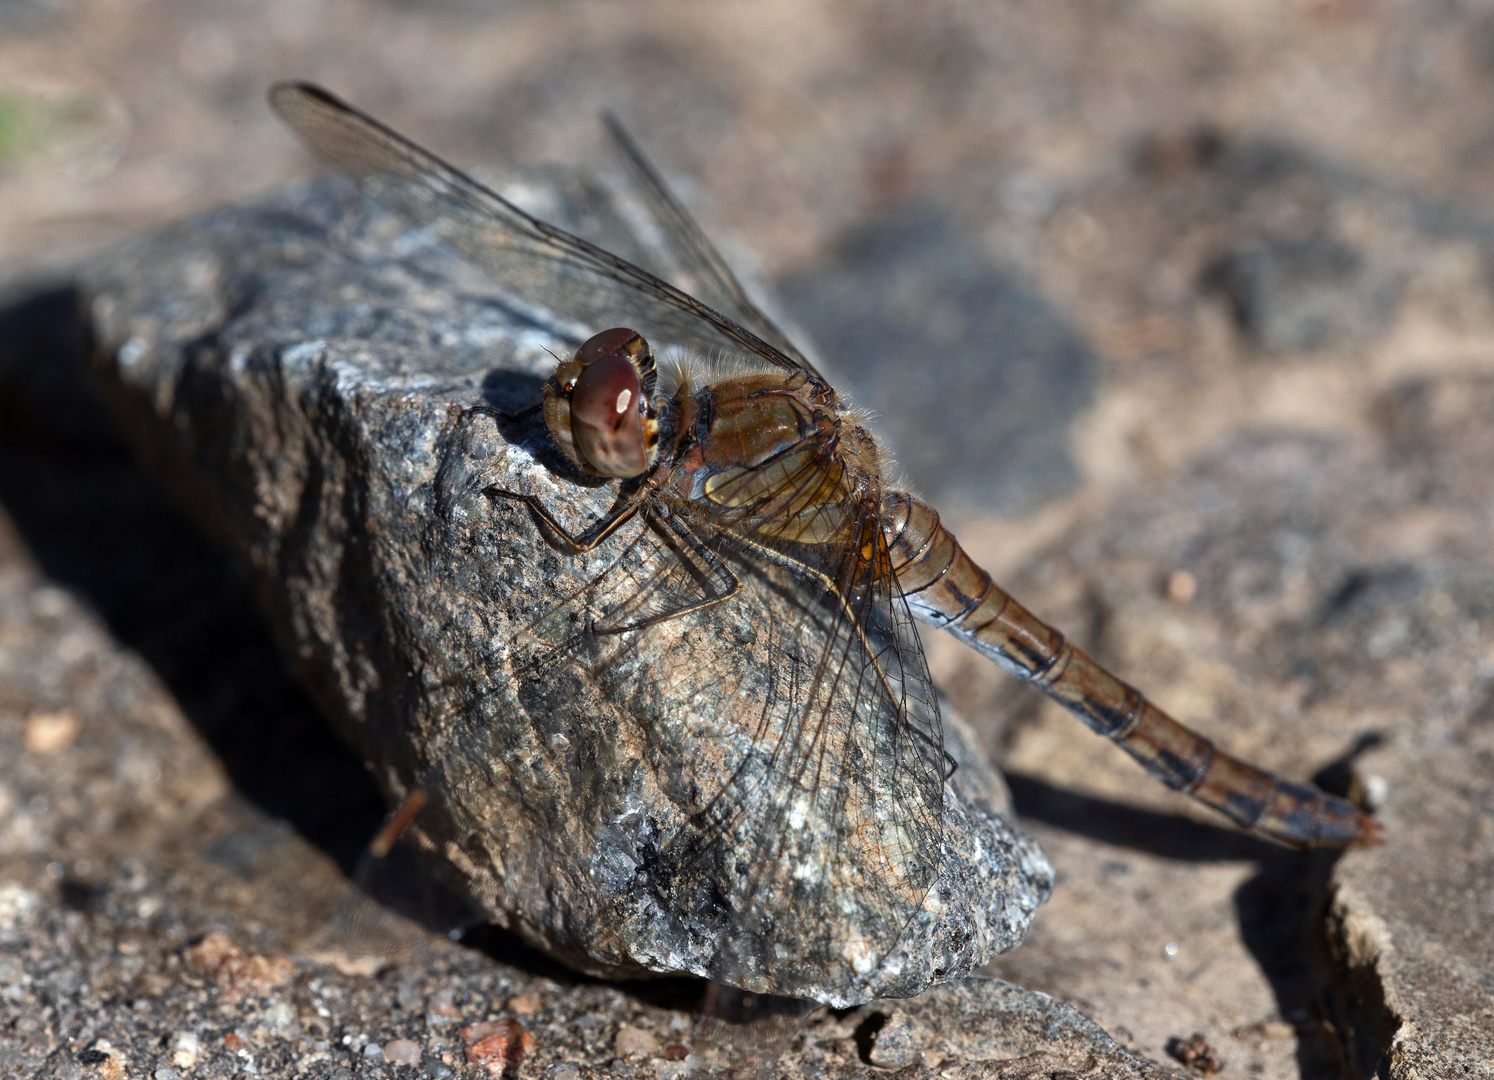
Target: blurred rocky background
pixel 1180 309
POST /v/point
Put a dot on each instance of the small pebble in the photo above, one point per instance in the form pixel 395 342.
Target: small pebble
pixel 106 1060
pixel 279 1015
pixel 374 1052
pixel 635 1042
pixel 184 1048
pixel 17 905
pixel 496 1045
pixel 1181 586
pixel 402 1052
pixel 237 974
pixel 166 1072
pixel 52 732
pixel 1196 1053
pixel 523 1005
pixel 211 953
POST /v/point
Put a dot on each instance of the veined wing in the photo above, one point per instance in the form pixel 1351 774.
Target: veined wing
pixel 710 275
pixel 842 807
pixel 540 263
pixel 790 726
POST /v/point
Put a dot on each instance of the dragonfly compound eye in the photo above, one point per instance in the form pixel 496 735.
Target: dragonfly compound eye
pixel 617 340
pixel 609 413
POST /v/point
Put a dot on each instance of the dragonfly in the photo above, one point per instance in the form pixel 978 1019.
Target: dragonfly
pixel 748 489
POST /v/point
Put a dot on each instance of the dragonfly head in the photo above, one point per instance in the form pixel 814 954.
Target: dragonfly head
pixel 599 406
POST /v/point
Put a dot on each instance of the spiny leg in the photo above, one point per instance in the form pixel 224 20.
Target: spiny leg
pixel 594 534
pixel 726 584
pixel 501 414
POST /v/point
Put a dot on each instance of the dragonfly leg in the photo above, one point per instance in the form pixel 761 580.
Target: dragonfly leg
pixel 725 584
pixel 500 414
pixel 396 826
pixel 595 533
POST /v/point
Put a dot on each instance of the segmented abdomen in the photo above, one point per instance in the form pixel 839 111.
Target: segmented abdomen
pixel 946 588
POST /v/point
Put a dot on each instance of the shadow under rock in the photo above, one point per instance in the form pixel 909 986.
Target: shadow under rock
pixel 685 993
pixel 96 525
pixel 1280 909
pixel 1167 835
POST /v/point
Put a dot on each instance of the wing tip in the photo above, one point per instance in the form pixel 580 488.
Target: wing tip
pixel 284 91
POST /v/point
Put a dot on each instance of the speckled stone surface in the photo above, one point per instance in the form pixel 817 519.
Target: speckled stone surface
pixel 990 1021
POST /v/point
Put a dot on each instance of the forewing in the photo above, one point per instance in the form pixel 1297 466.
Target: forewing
pixel 541 264
pixel 710 277
pixel 790 724
pixel 839 806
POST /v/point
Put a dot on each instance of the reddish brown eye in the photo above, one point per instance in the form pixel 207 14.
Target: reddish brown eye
pixel 617 340
pixel 609 427
pixel 599 390
pixel 605 418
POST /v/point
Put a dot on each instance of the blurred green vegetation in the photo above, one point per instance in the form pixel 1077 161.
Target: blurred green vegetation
pixel 37 125
pixel 14 127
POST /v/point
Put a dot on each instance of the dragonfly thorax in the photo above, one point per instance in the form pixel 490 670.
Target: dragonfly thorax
pixel 599 405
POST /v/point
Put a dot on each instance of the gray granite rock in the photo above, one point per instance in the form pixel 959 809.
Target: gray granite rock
pixel 298 373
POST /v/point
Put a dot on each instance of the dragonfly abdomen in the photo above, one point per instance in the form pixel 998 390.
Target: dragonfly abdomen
pixel 946 588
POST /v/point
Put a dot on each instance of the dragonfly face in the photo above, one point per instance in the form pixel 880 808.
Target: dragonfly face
pixel 599 408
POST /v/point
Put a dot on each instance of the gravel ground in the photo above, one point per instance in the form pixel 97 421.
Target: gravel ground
pixel 1258 239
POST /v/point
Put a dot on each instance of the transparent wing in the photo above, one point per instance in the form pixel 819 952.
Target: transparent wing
pixel 710 276
pixel 779 696
pixel 543 265
pixel 840 805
